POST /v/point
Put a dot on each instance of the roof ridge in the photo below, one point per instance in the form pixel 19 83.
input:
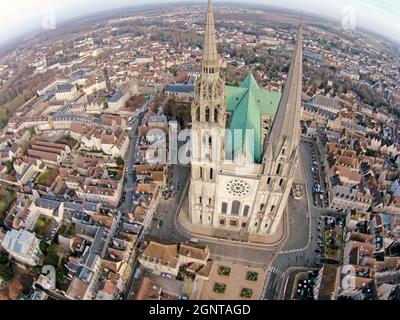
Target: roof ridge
pixel 250 82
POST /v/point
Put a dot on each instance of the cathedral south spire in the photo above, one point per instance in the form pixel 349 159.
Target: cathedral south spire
pixel 285 132
pixel 281 148
pixel 210 63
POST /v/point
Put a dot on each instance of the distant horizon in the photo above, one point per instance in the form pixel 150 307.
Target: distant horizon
pixel 32 24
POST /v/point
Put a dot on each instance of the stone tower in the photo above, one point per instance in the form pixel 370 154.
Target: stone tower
pixel 280 155
pixel 235 188
pixel 208 127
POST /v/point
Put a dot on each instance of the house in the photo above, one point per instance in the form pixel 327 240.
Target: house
pixel 23 246
pixel 51 158
pixel 160 258
pixel 180 92
pixel 87 268
pixel 327 103
pixel 66 92
pixel 117 101
pixel 50 208
pixel 95 105
pixel 101 190
pixel 327 283
pixel 343 198
pixel 346 176
pixel 164 258
pixel 395 187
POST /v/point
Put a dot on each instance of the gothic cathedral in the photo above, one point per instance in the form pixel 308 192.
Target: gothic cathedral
pixel 244 146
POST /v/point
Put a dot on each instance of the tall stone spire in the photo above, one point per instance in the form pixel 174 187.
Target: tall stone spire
pixel 285 131
pixel 210 55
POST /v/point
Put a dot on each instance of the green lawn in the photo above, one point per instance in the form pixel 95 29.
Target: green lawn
pixel 43 226
pixel 68 140
pixel 61 276
pixel 51 256
pixel 7 197
pixel 47 177
pixel 8 109
pixel 66 230
pixel 333 244
pixel 6 271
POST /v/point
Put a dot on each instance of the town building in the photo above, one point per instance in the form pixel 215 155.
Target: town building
pixel 23 246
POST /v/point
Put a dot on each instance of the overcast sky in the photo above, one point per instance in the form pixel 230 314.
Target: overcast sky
pixel 20 16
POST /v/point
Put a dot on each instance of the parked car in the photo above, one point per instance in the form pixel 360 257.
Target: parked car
pixel 166 275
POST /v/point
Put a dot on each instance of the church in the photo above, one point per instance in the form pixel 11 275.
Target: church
pixel 245 143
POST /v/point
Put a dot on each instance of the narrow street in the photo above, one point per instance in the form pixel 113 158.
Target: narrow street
pixel 132 156
pixel 298 250
pixel 294 255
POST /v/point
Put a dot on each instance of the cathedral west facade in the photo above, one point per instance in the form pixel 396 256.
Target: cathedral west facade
pixel 244 146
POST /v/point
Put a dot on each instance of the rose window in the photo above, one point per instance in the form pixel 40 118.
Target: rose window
pixel 238 188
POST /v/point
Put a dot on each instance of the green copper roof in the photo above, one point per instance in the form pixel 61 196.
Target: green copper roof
pixel 247 103
pixel 250 83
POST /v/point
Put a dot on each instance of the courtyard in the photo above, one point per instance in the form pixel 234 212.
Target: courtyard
pixel 231 281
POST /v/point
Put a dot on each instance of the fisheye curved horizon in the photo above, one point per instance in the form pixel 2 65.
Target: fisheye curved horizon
pixel 21 16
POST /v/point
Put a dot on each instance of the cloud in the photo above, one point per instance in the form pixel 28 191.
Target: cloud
pixel 20 16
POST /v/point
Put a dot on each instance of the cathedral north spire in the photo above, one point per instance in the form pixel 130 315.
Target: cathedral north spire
pixel 210 54
pixel 242 197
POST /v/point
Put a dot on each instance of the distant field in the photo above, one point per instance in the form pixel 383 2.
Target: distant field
pixel 376 44
pixel 6 110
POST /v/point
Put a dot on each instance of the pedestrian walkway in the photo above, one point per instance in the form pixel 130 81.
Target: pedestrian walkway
pixel 275 271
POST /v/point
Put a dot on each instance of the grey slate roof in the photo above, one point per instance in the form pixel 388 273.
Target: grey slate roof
pixel 65 87
pixel 116 97
pixel 47 203
pixel 179 88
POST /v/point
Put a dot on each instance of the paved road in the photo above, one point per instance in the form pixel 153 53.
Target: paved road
pixel 307 257
pixel 303 216
pixel 130 161
pixel 130 186
pixel 167 209
pixel 170 230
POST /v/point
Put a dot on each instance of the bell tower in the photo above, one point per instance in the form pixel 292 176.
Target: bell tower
pixel 280 154
pixel 208 129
